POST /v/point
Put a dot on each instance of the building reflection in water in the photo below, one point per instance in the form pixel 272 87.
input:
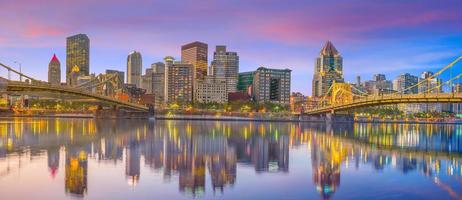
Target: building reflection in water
pixel 187 151
pixel 76 171
pixel 53 160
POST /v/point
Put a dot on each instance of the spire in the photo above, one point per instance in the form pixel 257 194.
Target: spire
pixel 329 49
pixel 54 59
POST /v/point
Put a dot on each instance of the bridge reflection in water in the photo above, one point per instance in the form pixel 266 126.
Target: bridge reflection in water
pixel 200 155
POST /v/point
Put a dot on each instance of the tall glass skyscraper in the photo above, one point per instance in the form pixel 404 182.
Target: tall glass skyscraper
pixel 134 65
pixel 328 68
pixel 77 54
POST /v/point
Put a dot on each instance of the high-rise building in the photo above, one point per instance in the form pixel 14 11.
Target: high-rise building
pixel 54 71
pixel 403 83
pixel 179 81
pixel 134 65
pixel 378 85
pixel 158 83
pixel 146 81
pixel 120 73
pixel 77 54
pixel 226 65
pixel 196 54
pixel 328 68
pixel 429 84
pixel 211 90
pixel 245 82
pixel 272 85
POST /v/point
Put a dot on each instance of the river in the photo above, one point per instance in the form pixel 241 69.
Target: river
pixel 66 158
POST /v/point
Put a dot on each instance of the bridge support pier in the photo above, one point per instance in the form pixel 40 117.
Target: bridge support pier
pixel 335 117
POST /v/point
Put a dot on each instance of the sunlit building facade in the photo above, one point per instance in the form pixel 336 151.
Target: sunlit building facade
pixel 196 53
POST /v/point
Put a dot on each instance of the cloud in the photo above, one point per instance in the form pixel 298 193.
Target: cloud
pixel 269 32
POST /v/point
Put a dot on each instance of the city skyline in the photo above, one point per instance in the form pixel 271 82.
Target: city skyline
pixel 404 41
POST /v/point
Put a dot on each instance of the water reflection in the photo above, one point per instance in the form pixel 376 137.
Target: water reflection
pixel 187 153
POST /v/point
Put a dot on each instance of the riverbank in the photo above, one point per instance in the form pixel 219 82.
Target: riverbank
pixel 261 117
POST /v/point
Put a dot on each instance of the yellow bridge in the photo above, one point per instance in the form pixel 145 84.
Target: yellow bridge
pixel 16 86
pixel 32 85
pixel 345 96
pixel 389 99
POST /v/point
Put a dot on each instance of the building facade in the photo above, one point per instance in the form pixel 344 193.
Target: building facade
pixel 77 54
pixel 196 53
pixel 225 65
pixel 179 81
pixel 245 82
pixel 134 67
pixel 403 83
pixel 54 71
pixel 272 85
pixel 158 83
pixel 146 81
pixel 211 90
pixel 328 69
pixel 378 85
pixel 430 84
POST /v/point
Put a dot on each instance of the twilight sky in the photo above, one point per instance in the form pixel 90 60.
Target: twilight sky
pixel 373 36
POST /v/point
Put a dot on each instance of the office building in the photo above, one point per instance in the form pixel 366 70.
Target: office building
pixel 272 85
pixel 158 83
pixel 77 54
pixel 226 65
pixel 430 85
pixel 134 65
pixel 328 69
pixel 378 85
pixel 179 81
pixel 403 83
pixel 245 82
pixel 54 71
pixel 196 53
pixel 211 90
pixel 146 81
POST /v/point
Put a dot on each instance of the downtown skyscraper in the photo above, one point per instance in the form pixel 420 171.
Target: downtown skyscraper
pixel 134 65
pixel 225 65
pixel 328 69
pixel 77 55
pixel 196 53
pixel 54 71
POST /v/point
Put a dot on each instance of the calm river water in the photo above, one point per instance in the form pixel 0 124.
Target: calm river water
pixel 141 159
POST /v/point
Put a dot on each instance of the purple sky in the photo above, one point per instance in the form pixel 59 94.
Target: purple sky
pixel 374 36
